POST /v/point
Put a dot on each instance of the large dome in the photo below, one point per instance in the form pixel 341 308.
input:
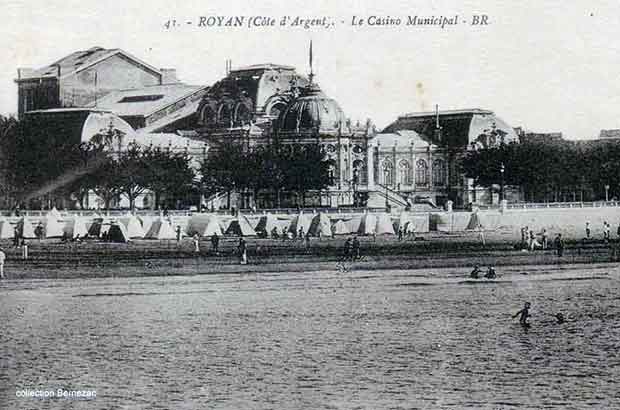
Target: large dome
pixel 313 111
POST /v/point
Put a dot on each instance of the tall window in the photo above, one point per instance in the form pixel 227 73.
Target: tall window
pixel 404 172
pixel 388 172
pixel 359 172
pixel 439 172
pixel 421 173
pixel 208 116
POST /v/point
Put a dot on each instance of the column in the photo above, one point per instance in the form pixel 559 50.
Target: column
pixel 370 166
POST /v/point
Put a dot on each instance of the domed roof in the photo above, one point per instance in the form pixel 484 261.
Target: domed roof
pixel 313 111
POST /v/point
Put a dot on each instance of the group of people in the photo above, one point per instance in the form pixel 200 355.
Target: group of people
pixel 490 273
pixel 351 249
pixel 606 231
pixel 524 315
pixel 529 240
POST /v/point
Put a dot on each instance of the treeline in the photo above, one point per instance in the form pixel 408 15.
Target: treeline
pixel 549 171
pixel 38 162
pixel 275 168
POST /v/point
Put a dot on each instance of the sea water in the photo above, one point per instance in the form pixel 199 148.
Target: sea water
pixel 345 339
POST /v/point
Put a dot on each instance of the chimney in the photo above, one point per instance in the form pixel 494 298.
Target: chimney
pixel 169 76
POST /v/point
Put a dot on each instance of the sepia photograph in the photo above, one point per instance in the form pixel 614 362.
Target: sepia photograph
pixel 310 205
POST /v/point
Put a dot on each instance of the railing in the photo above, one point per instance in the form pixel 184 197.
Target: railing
pixel 546 205
pixel 395 196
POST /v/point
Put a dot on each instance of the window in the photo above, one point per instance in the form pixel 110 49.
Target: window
pixel 404 172
pixel 243 116
pixel 388 172
pixel 421 173
pixel 225 116
pixel 359 172
pixel 208 116
pixel 439 172
pixel 141 98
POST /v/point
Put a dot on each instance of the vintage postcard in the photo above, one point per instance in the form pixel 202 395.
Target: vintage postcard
pixel 309 205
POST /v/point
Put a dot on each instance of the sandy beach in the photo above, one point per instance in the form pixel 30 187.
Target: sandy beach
pixel 49 259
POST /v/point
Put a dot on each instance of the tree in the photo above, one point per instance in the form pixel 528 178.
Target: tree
pixel 105 181
pixel 167 173
pixel 132 178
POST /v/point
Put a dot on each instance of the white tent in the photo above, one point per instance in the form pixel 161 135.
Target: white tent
pixel 475 222
pixel 25 228
pixel 117 232
pixel 300 221
pixel 161 229
pixel 224 221
pixel 133 225
pixel 268 222
pixel 76 227
pixel 147 221
pixel 98 228
pixel 53 213
pixel 204 225
pixel 321 225
pixel 6 230
pixel 53 228
pixel 340 228
pixel 368 224
pixel 354 223
pixel 384 224
pixel 241 227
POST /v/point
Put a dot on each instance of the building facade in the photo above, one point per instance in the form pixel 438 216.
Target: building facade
pixel 82 77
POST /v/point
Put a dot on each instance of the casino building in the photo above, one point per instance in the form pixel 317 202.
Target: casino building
pixel 412 163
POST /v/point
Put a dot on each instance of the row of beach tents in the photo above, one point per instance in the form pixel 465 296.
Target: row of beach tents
pixel 123 228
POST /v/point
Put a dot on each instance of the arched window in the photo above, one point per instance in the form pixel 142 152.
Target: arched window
pixel 331 172
pixel 404 172
pixel 359 172
pixel 388 173
pixel 421 173
pixel 439 172
pixel 208 116
pixel 225 116
pixel 243 116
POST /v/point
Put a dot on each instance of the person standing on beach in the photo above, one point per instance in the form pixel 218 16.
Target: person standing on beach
pixel 559 245
pixel 16 235
pixel 215 242
pixel 607 232
pixel 544 238
pixel 356 249
pixel 178 233
pixel 284 234
pixel 300 234
pixel 196 243
pixel 588 231
pixel 24 249
pixel 243 251
pixel 400 233
pixel 347 249
pixel 2 259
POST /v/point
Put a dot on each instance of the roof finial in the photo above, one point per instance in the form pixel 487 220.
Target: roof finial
pixel 311 76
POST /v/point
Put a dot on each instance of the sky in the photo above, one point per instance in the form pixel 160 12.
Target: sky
pixel 548 66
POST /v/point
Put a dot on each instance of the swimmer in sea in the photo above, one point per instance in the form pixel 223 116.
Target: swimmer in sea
pixel 490 273
pixel 560 318
pixel 475 274
pixel 525 313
